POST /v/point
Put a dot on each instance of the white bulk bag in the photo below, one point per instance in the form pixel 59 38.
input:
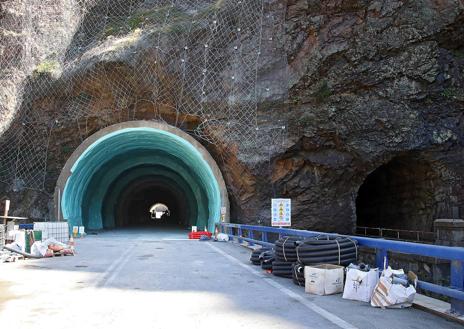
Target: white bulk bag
pixel 324 279
pixel 360 285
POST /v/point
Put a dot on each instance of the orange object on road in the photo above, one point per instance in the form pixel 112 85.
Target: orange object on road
pixel 197 235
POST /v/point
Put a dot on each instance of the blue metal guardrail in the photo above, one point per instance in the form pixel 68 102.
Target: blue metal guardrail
pixel 454 254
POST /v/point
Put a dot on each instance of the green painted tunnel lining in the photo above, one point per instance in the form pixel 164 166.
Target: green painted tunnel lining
pixel 115 191
pixel 108 173
pixel 152 143
pixel 127 178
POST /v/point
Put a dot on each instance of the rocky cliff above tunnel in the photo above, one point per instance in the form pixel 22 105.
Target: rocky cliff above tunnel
pixel 302 99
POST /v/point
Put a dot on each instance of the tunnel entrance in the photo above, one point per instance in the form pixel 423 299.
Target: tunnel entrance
pixel 159 210
pixel 399 195
pixel 118 174
pixel 134 205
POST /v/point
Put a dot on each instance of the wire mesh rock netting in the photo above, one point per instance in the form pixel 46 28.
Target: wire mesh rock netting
pixel 191 63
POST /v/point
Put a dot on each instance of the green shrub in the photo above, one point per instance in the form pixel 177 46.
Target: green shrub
pixel 46 67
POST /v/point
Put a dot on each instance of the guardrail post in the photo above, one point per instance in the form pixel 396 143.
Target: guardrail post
pixel 239 234
pixel 457 282
pixel 251 236
pixel 380 256
pixel 264 237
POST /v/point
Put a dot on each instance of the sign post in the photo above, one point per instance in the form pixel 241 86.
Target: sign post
pixel 281 212
pixel 223 214
pixel 7 209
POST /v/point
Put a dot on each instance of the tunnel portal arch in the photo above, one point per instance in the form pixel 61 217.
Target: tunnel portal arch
pixel 152 159
pixel 406 193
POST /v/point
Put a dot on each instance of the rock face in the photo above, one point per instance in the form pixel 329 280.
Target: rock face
pixel 372 80
pixel 342 88
pixel 34 36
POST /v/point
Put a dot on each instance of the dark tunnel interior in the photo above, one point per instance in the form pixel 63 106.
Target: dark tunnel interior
pixel 131 206
pixel 135 202
pixel 400 194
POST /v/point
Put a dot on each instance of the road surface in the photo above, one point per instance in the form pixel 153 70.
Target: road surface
pixel 157 279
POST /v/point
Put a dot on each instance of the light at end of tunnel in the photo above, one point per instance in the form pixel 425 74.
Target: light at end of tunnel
pixel 159 210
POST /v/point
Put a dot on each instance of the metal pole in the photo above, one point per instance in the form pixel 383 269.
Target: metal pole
pixel 264 237
pixel 7 209
pixel 381 258
pixel 457 282
pixel 251 236
pixel 59 205
pixel 240 233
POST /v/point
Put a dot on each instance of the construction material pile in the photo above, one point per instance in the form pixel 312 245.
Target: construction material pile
pixel 2 236
pixel 39 249
pixel 293 253
pixel 327 250
pixel 298 274
pixel 256 255
pixel 285 250
pixel 319 265
pixel 263 257
pixel 267 259
pixel 38 240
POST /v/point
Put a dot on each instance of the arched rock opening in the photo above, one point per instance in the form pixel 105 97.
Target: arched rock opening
pixel 401 194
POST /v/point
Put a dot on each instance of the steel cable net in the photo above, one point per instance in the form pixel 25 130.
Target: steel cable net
pixel 110 60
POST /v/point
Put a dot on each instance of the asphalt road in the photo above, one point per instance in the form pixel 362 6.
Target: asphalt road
pixel 157 279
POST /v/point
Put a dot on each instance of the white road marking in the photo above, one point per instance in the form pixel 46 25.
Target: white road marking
pixel 310 305
pixel 115 268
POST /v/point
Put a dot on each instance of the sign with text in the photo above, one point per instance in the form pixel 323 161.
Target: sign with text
pixel 281 212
